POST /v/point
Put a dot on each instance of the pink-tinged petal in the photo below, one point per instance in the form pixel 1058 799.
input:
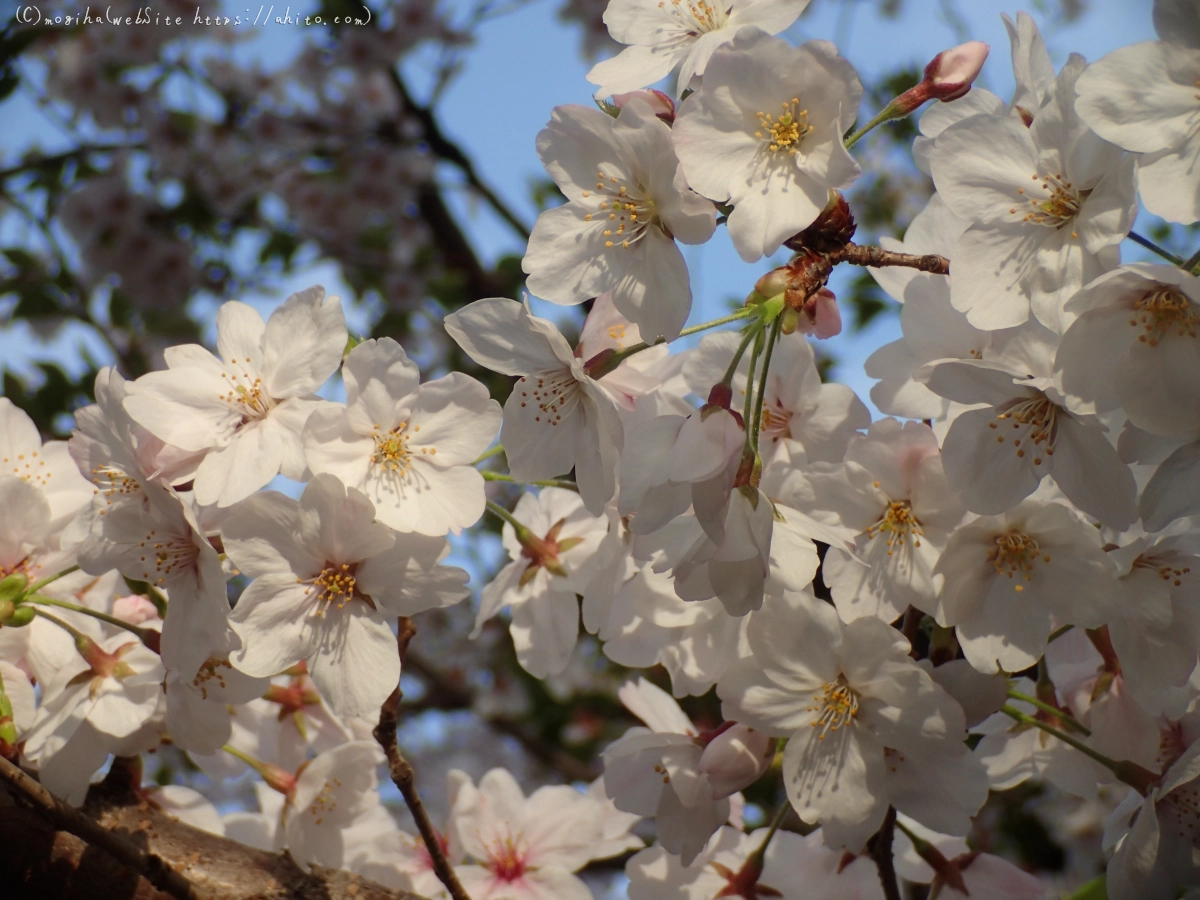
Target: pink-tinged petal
pixel 1160 177
pixel 984 468
pixel 574 253
pixel 378 375
pixel 347 531
pixel 248 462
pixel 332 446
pixel 633 68
pixel 274 617
pixel 303 342
pixel 239 334
pixel 654 291
pixel 261 536
pixel 407 579
pixel 354 661
pixel 1088 470
pixel 541 443
pixel 544 630
pixel 185 406
pixel 453 420
pixel 501 335
pixel 654 706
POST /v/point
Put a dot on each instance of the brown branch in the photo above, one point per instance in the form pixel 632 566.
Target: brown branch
pixel 880 849
pixel 405 778
pixel 877 257
pixel 65 817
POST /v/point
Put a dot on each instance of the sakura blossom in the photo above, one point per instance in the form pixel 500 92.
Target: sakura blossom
pixel 247 407
pixel 764 132
pixel 626 206
pixel 418 480
pixel 325 572
pixel 679 36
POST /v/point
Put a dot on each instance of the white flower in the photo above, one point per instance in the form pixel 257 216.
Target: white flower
pixel 159 541
pixel 996 455
pixel 682 33
pixel 673 773
pixel 1143 98
pixel 626 206
pixel 47 467
pixel 328 580
pixel 557 416
pixel 248 407
pixel 200 706
pixel 1156 836
pixel 1006 575
pixel 764 132
pixel 407 446
pixel 801 414
pixel 526 848
pixel 551 563
pixel 29 545
pixel 794 868
pixel 1047 206
pixel 893 493
pixel 1136 345
pixel 866 726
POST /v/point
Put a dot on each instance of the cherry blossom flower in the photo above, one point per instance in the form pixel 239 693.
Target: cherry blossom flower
pixel 672 772
pixel 557 416
pixel 801 414
pixel 47 467
pixel 1136 345
pixel 526 848
pixel 626 206
pixel 552 561
pixel 679 35
pixel 1047 206
pixel 793 868
pixel 408 447
pixel 1143 98
pixel 764 132
pixel 866 726
pixel 996 454
pixel 246 408
pixel 1006 575
pixel 327 580
pixel 891 491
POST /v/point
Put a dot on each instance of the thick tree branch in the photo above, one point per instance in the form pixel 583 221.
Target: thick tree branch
pixel 98 856
pixel 66 818
pixel 405 778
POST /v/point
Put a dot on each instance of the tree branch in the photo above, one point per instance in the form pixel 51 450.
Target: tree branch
pixel 877 257
pixel 66 818
pixel 880 849
pixel 405 778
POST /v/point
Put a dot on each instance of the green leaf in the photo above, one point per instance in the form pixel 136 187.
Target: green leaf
pixel 1093 890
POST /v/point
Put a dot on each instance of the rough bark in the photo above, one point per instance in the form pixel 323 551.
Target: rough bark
pixel 39 862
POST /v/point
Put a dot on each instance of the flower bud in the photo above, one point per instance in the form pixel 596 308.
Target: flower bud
pixel 951 73
pixel 948 76
pixel 134 609
pixel 773 283
pixel 660 104
pixel 736 758
pixel 821 316
pixel 12 586
pixel 21 617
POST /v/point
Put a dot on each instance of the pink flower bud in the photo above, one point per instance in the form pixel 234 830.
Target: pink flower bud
pixel 821 317
pixel 736 758
pixel 134 609
pixel 952 72
pixel 773 283
pixel 660 104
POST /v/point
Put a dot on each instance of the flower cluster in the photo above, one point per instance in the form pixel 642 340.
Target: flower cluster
pixel 993 582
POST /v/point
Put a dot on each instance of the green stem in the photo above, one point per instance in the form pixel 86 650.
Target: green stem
pixel 550 482
pixel 744 313
pixel 499 511
pixel 885 115
pixel 69 629
pixel 94 613
pixel 756 428
pixel 1154 248
pixel 495 451
pixel 1058 632
pixel 1053 710
pixel 1111 764
pixel 38 585
pixel 1191 263
pixel 780 815
pixel 751 334
pixel 749 407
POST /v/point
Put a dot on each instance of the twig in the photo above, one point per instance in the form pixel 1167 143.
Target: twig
pixel 66 818
pixel 405 778
pixel 1154 248
pixel 880 849
pixel 877 257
